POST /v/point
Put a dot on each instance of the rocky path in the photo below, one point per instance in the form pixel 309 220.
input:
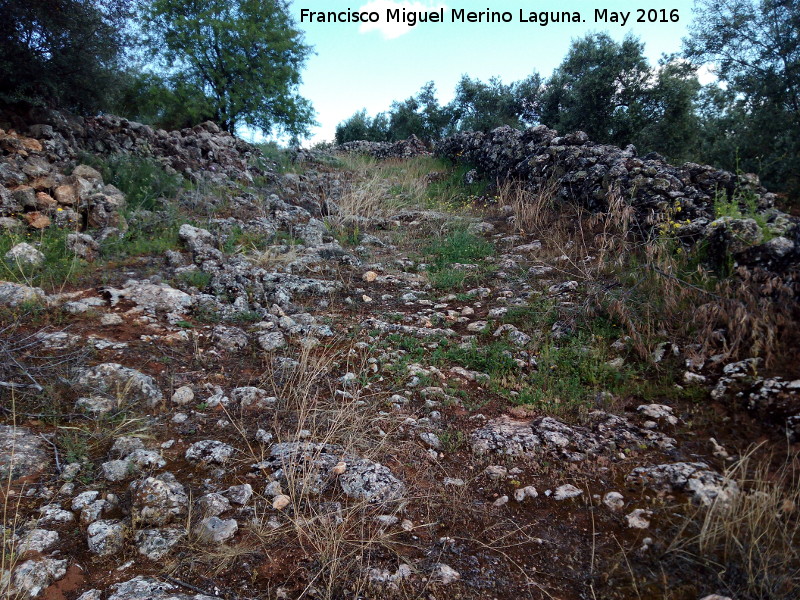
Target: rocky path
pixel 272 410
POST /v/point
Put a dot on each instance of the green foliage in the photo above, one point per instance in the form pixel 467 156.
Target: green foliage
pixel 61 52
pixel 143 180
pixel 458 246
pixel 571 372
pixel 280 157
pixel 493 358
pixel 60 266
pixel 752 122
pixel 476 106
pixel 198 279
pixel 165 102
pixel 361 127
pixel 742 204
pixel 452 440
pixel 609 90
pixel 245 316
pixel 542 312
pixel 245 56
pixel 480 106
pixel 420 115
pixel 347 236
pixel 238 239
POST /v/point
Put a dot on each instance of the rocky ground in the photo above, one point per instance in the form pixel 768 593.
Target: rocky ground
pixel 361 379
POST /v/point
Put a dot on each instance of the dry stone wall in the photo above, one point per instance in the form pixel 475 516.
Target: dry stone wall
pixel 588 173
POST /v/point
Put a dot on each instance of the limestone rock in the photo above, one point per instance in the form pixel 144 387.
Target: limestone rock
pixel 155 544
pixel 24 256
pixel 158 500
pixel 106 537
pixel 14 294
pixel 696 479
pixel 216 530
pixel 22 454
pixel 122 382
pixel 210 451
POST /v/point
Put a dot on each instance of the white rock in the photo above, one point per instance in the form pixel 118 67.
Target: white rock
pixel 281 501
pixel 271 341
pixel 14 294
pixel 239 494
pixel 639 518
pixel 110 319
pixel 84 499
pixel 91 512
pixel 106 537
pixel 24 255
pixel 37 540
pixel 444 574
pixel 155 544
pixel 216 530
pixel 213 505
pixel 614 501
pixel 496 472
pixel 566 491
pixel 210 451
pixel 431 439
pixel 32 577
pixel 183 396
pixel 520 494
pixel 53 514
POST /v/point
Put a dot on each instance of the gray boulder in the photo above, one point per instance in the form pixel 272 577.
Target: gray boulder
pixel 22 453
pixel 122 382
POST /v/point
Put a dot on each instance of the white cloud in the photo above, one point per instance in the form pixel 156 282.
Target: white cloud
pixel 394 29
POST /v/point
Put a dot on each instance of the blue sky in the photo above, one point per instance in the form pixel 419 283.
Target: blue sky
pixel 355 67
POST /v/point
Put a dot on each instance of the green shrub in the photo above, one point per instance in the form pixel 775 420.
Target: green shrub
pixel 743 204
pixel 143 180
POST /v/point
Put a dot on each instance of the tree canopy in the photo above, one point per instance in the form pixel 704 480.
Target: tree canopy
pixel 64 53
pixel 751 121
pixel 245 56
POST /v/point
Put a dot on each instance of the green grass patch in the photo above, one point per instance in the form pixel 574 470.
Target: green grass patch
pixel 494 358
pixel 451 191
pixel 540 312
pixel 60 265
pixel 238 239
pixel 458 246
pixel 198 279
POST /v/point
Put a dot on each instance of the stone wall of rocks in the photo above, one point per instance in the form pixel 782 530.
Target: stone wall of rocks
pixel 39 147
pixel 409 148
pixel 585 172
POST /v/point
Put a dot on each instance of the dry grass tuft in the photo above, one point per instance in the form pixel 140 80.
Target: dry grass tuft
pixel 322 545
pixel 533 210
pixel 752 542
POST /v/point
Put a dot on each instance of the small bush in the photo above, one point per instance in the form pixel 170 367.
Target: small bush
pixel 142 180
